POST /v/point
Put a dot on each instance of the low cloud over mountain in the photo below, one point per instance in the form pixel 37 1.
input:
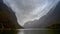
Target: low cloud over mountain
pixel 52 17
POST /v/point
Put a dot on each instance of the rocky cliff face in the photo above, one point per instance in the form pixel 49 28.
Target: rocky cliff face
pixel 51 20
pixel 7 17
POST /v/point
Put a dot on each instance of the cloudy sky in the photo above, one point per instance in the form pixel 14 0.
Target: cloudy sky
pixel 30 10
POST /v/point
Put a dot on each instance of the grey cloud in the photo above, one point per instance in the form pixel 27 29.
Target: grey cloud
pixel 51 18
pixel 27 10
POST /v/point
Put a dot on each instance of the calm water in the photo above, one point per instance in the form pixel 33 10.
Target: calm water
pixel 30 31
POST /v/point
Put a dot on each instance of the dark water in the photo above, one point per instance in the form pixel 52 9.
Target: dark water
pixel 30 31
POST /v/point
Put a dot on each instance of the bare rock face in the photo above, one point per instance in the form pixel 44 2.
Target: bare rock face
pixel 50 20
pixel 8 19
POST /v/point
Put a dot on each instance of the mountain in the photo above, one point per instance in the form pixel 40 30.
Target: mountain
pixel 8 19
pixel 50 20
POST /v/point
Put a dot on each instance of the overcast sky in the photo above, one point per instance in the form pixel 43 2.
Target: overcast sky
pixel 29 10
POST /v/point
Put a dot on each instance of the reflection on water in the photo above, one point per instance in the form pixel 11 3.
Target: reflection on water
pixel 30 31
pixel 8 32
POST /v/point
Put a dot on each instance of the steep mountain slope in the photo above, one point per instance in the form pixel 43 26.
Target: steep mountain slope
pixel 7 17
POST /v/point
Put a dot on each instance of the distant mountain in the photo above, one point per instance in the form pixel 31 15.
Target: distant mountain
pixel 51 18
pixel 8 19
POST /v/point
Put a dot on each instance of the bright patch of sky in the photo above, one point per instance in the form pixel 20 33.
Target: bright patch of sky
pixel 30 10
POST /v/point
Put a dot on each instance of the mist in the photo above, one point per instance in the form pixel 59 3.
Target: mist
pixel 30 10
